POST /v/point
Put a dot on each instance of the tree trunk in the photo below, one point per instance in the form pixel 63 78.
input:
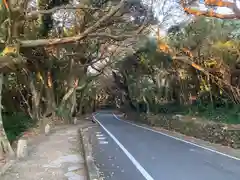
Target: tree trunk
pixel 94 105
pixel 80 102
pixel 35 100
pixel 72 84
pixel 51 103
pixel 68 101
pixel 147 104
pixel 5 147
pixel 73 102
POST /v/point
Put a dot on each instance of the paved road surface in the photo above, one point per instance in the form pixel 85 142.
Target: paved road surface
pixel 126 152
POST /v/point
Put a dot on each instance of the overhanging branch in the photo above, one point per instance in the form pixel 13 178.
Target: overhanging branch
pixel 93 28
pixel 35 14
pixel 186 60
pixel 9 63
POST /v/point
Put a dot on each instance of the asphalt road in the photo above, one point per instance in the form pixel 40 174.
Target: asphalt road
pixel 123 151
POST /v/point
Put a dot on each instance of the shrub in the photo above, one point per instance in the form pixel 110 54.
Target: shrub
pixel 15 124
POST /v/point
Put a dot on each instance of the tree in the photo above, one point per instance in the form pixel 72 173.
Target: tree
pixel 5 147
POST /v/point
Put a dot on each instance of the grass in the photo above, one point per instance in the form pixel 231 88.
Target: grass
pixel 223 115
pixel 15 124
pixel 230 115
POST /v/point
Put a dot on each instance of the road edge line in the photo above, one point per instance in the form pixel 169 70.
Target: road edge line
pixel 179 139
pixel 145 174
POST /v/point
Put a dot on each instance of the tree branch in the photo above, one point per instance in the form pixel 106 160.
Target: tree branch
pixel 47 42
pixel 9 62
pixel 186 60
pixel 35 14
pixel 117 37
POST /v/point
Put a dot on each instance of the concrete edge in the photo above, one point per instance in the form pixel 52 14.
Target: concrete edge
pixel 6 166
pixel 92 170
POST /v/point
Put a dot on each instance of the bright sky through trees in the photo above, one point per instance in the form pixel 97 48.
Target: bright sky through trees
pixel 168 12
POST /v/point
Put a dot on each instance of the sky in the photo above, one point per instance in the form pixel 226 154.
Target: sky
pixel 173 10
pixel 222 10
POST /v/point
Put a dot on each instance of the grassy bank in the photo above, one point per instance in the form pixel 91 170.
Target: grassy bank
pixel 218 125
pixel 229 115
pixel 15 124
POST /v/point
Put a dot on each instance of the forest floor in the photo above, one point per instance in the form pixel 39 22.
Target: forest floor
pixel 53 156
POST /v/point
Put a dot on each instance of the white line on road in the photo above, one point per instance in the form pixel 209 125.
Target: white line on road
pixel 103 142
pixel 178 139
pixel 99 135
pixel 134 161
pixel 101 138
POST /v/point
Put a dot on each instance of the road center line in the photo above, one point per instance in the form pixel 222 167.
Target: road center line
pixel 179 139
pixel 145 174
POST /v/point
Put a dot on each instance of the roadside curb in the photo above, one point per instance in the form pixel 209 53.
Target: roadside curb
pixel 6 166
pixel 92 170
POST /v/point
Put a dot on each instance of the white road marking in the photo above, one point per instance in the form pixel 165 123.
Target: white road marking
pixel 101 138
pixel 145 174
pixel 99 135
pixel 103 142
pixel 178 139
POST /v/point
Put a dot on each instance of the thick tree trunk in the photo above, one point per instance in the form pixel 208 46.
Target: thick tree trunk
pixel 94 105
pixel 147 104
pixel 80 107
pixel 36 95
pixel 73 102
pixel 51 103
pixel 49 94
pixel 68 101
pixel 5 147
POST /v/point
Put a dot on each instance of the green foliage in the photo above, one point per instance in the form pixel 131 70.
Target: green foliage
pixel 63 113
pixel 15 124
pixel 223 114
pixel 202 32
pixel 229 115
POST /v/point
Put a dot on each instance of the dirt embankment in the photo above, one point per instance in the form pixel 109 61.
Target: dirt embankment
pixel 219 133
